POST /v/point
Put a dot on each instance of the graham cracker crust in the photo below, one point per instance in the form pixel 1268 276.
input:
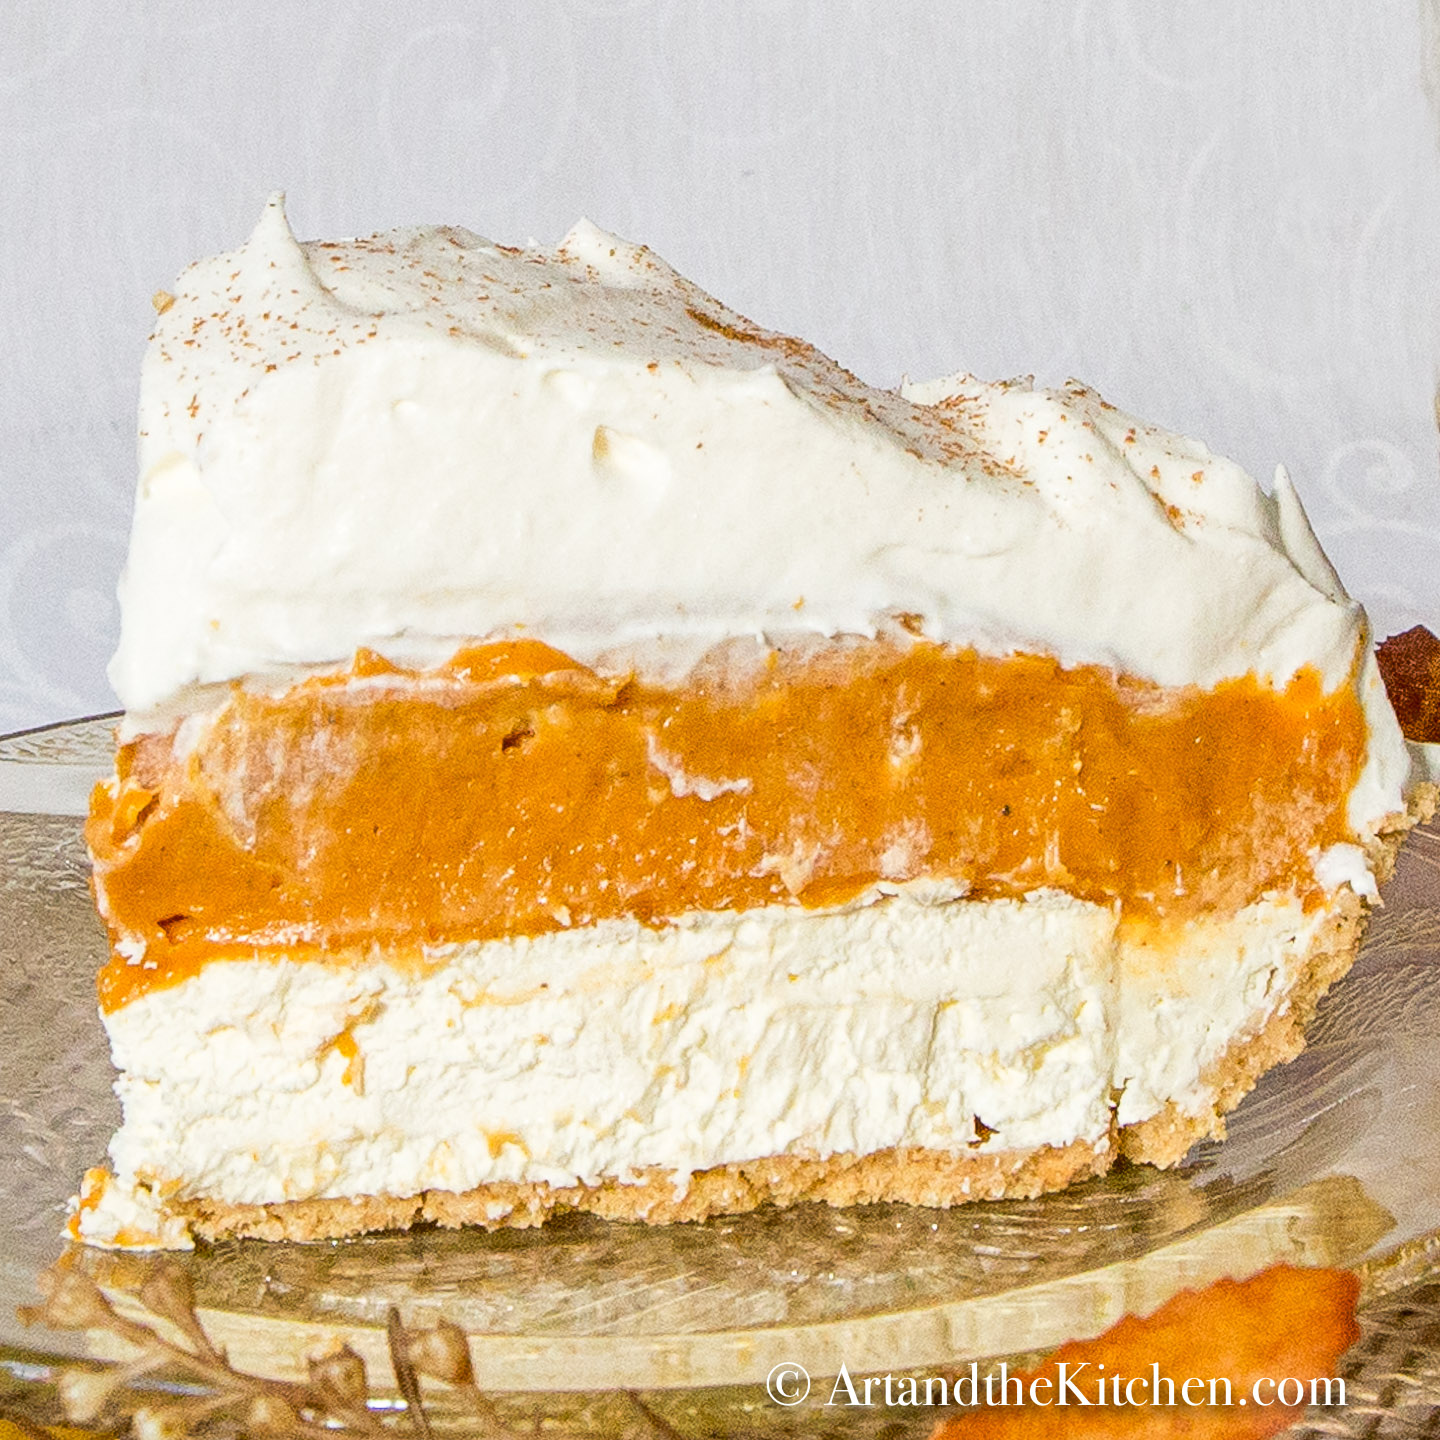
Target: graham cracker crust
pixel 914 1176
pixel 918 1177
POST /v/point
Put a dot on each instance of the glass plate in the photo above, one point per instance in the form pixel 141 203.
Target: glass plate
pixel 1333 1160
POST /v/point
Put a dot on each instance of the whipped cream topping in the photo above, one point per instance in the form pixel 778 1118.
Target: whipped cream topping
pixel 422 436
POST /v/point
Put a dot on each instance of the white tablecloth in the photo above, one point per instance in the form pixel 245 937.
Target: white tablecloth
pixel 1224 215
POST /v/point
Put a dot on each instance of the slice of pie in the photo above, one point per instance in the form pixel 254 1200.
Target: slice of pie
pixel 584 751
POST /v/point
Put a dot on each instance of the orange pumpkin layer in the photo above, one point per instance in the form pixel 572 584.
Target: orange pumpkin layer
pixel 513 792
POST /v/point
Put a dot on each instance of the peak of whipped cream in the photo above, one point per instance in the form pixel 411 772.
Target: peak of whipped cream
pixel 424 436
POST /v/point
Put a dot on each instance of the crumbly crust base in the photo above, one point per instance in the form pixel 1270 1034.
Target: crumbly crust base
pixel 918 1177
pixel 915 1176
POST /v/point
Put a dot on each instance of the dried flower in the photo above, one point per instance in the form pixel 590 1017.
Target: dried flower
pixel 405 1376
pixel 168 1293
pixel 336 1397
pixel 442 1353
pixel 73 1301
pixel 340 1376
pixel 269 1414
pixel 152 1423
pixel 83 1393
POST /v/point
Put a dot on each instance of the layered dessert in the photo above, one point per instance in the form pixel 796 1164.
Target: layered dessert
pixel 585 751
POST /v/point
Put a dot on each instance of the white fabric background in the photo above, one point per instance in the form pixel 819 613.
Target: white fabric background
pixel 1225 215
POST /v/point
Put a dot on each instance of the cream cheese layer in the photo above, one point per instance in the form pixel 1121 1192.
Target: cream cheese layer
pixel 915 1019
pixel 420 438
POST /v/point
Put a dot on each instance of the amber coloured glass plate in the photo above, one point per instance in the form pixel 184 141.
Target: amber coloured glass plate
pixel 1334 1160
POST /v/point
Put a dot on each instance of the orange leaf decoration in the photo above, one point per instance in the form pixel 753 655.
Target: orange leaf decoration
pixel 1283 1324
